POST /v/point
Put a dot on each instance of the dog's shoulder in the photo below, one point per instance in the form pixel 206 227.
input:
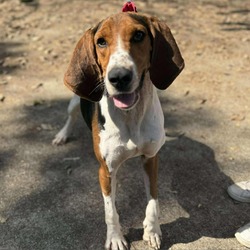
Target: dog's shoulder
pixel 91 112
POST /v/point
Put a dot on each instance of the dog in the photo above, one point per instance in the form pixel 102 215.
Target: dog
pixel 115 71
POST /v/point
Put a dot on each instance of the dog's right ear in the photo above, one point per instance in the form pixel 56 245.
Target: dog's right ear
pixel 83 75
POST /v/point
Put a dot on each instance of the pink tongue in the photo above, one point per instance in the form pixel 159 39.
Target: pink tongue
pixel 124 101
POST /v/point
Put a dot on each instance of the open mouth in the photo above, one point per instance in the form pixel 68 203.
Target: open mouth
pixel 126 101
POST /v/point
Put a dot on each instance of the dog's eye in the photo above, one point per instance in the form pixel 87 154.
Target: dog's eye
pixel 138 36
pixel 102 43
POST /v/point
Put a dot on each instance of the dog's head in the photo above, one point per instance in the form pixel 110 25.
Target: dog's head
pixel 118 52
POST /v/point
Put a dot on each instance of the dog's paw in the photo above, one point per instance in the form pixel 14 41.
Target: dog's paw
pixel 152 234
pixel 152 230
pixel 116 242
pixel 153 239
pixel 60 138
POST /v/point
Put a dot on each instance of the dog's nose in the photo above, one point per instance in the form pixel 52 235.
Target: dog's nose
pixel 120 78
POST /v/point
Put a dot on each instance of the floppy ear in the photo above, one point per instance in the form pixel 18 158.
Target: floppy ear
pixel 166 59
pixel 83 75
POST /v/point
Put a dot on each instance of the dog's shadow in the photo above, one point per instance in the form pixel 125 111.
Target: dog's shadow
pixel 192 196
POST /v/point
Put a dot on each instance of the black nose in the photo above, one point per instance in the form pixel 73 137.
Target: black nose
pixel 120 78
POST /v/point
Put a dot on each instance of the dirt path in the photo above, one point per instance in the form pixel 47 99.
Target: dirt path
pixel 50 197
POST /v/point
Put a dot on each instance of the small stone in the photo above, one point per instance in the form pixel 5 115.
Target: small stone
pixel 46 126
pixel 37 86
pixel 3 82
pixel 203 101
pixel 48 51
pixel 55 56
pixel 36 38
pixel 2 97
pixel 238 117
pixel 38 102
pixel 2 219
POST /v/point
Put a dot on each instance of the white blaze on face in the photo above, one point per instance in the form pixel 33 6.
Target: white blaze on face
pixel 120 58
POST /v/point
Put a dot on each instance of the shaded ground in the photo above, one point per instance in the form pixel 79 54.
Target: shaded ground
pixel 50 197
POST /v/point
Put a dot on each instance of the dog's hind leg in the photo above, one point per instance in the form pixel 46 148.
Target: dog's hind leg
pixel 152 232
pixel 73 112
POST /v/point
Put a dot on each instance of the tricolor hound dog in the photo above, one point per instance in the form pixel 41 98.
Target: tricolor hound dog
pixel 115 69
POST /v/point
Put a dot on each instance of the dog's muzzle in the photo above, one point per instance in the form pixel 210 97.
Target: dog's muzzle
pixel 122 79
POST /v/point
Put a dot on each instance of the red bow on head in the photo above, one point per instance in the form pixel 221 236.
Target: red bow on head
pixel 129 6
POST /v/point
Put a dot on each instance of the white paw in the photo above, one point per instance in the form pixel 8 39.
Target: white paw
pixel 60 138
pixel 116 242
pixel 153 239
pixel 152 231
pixel 152 234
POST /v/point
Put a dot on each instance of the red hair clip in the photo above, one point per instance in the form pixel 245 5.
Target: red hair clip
pixel 129 6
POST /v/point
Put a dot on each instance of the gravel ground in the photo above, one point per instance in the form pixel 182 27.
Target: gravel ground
pixel 50 196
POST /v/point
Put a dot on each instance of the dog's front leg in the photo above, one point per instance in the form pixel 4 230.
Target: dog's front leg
pixel 115 239
pixel 152 232
pixel 107 179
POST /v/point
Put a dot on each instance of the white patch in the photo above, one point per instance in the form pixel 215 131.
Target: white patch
pixel 139 131
pixel 121 58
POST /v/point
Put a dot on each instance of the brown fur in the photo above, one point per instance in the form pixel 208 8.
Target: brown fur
pixel 151 168
pixel 104 175
pixel 110 28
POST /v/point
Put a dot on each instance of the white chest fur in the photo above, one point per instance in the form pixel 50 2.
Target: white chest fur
pixel 127 134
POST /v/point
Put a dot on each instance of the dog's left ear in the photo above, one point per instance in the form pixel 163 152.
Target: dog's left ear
pixel 166 59
pixel 83 75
